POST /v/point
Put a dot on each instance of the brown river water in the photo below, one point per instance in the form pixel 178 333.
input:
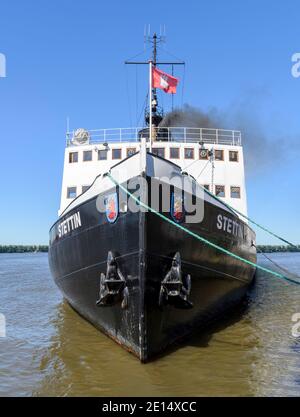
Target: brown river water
pixel 51 351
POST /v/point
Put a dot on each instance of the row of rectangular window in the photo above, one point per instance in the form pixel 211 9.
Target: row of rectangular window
pixel 189 153
pixel 235 192
pixel 174 153
pixel 72 191
pixel 102 154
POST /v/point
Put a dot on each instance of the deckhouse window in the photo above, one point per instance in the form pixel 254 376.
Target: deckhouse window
pixel 73 157
pixel 219 155
pixel 102 154
pixel 87 156
pixel 159 152
pixel 84 188
pixel 71 192
pixel 234 156
pixel 131 151
pixel 116 153
pixel 220 190
pixel 189 153
pixel 235 192
pixel 174 153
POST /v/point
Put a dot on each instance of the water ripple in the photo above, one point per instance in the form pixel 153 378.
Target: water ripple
pixel 50 350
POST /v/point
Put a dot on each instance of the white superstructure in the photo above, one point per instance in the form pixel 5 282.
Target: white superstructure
pixel 214 157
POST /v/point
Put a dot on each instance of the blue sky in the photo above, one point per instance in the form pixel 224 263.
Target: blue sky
pixel 65 58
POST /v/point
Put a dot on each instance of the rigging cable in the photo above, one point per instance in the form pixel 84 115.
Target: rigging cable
pixel 139 53
pixel 136 94
pixel 182 88
pixel 172 93
pixel 128 96
pixel 143 109
pixel 251 220
pixel 136 81
pixel 242 214
pixel 168 53
pixel 191 163
pixel 284 270
pixel 183 78
pixel 203 169
pixel 199 237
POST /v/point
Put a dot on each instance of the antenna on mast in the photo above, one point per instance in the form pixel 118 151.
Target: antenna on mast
pixel 154 115
pixel 146 34
pixel 162 33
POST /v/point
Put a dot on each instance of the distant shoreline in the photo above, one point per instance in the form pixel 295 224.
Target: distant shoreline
pixel 23 248
pixel 277 248
pixel 44 248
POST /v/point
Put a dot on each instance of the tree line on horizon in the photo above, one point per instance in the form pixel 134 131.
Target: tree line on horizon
pixel 277 248
pixel 44 248
pixel 23 248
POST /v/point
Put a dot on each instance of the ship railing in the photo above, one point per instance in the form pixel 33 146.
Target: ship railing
pixel 163 134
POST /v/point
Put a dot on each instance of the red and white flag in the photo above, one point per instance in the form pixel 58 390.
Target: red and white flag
pixel 162 80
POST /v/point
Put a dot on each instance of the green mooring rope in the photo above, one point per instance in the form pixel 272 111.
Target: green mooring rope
pixel 249 219
pixel 200 238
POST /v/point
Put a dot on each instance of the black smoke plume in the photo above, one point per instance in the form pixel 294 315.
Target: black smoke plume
pixel 260 151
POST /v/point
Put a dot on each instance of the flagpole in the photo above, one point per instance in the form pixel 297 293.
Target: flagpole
pixel 150 105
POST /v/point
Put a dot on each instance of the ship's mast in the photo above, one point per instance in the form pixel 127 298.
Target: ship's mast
pixel 154 118
pixel 152 91
pixel 154 96
pixel 154 115
pixel 150 104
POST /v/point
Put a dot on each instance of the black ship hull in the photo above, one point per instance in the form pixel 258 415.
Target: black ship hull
pixel 143 281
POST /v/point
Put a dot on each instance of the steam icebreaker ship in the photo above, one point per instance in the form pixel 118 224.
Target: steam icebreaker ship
pixel 139 275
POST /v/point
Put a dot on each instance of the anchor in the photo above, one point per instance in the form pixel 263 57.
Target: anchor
pixel 113 287
pixel 175 289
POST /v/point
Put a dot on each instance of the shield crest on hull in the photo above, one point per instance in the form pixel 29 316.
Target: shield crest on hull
pixel 177 207
pixel 111 207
